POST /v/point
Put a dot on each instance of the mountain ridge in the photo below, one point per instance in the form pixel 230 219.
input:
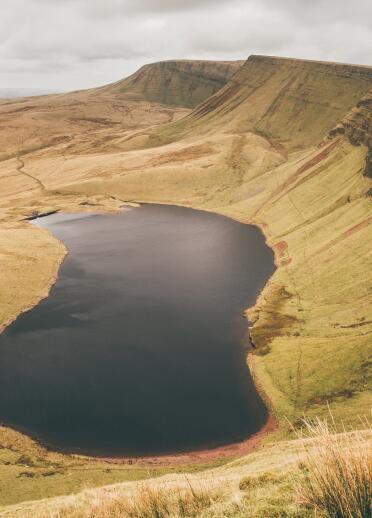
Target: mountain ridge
pixel 183 83
pixel 279 93
pixel 105 109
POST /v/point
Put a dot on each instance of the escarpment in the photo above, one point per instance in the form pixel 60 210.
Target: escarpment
pixel 291 103
pixel 357 126
pixel 184 83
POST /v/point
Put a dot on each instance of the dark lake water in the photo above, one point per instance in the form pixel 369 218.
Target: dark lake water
pixel 140 347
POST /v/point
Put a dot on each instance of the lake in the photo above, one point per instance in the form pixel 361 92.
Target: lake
pixel 140 349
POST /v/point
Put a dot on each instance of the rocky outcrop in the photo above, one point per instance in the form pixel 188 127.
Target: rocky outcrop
pixel 368 169
pixel 357 126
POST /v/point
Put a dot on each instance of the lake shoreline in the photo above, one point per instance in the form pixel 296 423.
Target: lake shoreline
pixel 48 287
pixel 190 457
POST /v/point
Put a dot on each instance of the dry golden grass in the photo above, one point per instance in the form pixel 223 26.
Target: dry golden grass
pixel 23 250
pixel 338 470
pixel 148 502
pixel 260 485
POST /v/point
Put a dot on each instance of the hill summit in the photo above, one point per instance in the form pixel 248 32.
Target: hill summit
pixel 184 83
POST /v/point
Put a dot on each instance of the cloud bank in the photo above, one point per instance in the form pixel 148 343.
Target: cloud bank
pixel 67 44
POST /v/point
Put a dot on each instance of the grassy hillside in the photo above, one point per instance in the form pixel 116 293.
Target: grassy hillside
pixel 156 94
pixel 177 83
pixel 285 145
pixel 290 102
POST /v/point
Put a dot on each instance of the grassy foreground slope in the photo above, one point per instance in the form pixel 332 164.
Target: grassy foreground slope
pixel 285 145
pixel 264 484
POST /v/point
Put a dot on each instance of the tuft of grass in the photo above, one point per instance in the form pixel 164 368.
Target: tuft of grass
pixel 253 482
pixel 338 472
pixel 269 495
pixel 148 502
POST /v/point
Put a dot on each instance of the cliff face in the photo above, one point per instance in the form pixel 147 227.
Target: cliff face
pixel 357 126
pixel 178 83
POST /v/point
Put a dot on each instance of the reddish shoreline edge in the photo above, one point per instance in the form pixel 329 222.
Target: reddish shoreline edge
pixel 227 452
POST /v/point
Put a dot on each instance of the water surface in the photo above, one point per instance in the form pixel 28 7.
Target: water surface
pixel 140 347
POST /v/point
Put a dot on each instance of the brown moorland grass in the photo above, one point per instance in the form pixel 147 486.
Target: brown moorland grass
pixel 323 474
pixel 338 471
pixel 334 479
pixel 148 502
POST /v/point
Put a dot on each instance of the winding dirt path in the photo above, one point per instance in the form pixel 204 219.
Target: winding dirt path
pixel 21 169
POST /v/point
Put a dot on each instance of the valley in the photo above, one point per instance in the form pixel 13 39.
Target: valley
pixel 282 144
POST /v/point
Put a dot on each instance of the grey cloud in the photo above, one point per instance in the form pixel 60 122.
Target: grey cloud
pixel 241 30
pixel 80 43
pixel 324 11
pixel 80 39
pixel 107 8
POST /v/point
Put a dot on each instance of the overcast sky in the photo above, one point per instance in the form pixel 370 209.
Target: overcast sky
pixel 69 44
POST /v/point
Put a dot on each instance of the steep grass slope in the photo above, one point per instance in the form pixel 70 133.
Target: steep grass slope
pixel 177 83
pixel 291 102
pixel 286 145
